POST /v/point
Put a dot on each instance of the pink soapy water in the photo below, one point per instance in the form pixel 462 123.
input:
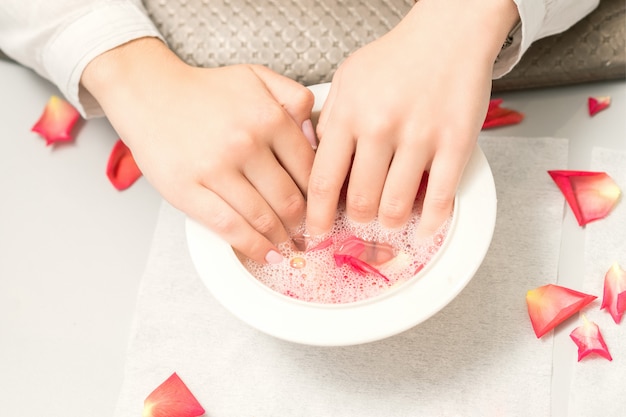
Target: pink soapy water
pixel 354 262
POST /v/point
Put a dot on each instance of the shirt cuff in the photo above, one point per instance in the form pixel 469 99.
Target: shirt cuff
pixel 100 29
pixel 538 19
pixel 520 37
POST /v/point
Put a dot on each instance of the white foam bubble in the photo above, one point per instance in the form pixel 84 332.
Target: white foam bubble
pixel 314 276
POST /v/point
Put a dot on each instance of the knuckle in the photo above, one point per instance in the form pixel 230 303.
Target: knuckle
pixel 361 207
pixel 393 212
pixel 292 207
pixel 270 115
pixel 379 126
pixel 439 202
pixel 264 223
pixel 222 222
pixel 320 187
pixel 304 98
pixel 241 142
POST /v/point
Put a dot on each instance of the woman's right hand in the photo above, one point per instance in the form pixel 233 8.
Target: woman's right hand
pixel 224 145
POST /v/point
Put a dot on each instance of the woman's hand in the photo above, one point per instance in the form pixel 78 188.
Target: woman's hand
pixel 409 102
pixel 224 145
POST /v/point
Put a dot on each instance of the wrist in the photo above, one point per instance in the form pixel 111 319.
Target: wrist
pixel 476 26
pixel 126 67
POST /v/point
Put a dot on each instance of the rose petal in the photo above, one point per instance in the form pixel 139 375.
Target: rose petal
pixel 621 302
pixel 56 122
pixel 589 340
pixel 500 116
pixel 373 253
pixel 121 168
pixel 319 245
pixel 357 254
pixel 597 104
pixel 494 103
pixel 550 305
pixel 614 298
pixel 590 195
pixel 172 399
pixel 357 265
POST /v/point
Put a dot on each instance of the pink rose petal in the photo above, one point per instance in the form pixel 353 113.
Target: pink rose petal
pixel 360 255
pixel 590 195
pixel 614 298
pixel 550 305
pixel 56 122
pixel 172 399
pixel 589 340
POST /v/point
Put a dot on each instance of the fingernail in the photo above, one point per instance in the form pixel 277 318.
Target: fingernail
pixel 309 133
pixel 273 257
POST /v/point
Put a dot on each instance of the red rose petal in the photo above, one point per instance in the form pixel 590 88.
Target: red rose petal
pixel 591 195
pixel 495 103
pixel 56 121
pixel 550 305
pixel 597 104
pixel 360 255
pixel 121 168
pixel 500 116
pixel 589 340
pixel 614 298
pixel 172 399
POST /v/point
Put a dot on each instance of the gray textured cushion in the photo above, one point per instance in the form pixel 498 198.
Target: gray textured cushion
pixel 306 40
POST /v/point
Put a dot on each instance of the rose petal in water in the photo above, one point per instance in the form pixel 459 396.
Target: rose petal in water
pixel 372 253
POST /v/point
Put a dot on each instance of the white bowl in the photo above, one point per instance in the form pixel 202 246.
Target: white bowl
pixel 368 320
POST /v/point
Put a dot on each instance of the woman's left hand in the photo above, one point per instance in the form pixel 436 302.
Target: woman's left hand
pixel 409 102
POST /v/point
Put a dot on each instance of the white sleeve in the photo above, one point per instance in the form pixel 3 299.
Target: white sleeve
pixel 539 18
pixel 59 38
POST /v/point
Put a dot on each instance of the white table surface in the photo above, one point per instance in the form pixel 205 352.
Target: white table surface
pixel 73 249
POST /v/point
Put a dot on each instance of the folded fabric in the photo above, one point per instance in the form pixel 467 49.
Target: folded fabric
pixel 477 357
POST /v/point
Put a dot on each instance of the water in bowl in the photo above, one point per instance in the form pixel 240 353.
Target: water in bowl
pixel 358 261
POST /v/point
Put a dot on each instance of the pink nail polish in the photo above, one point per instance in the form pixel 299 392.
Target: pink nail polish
pixel 273 257
pixel 309 133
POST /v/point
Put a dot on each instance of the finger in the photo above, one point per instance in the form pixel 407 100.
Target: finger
pixel 401 186
pixel 254 207
pixel 211 210
pixel 277 188
pixel 330 168
pixel 367 178
pixel 294 154
pixel 327 108
pixel 443 180
pixel 252 202
pixel 295 98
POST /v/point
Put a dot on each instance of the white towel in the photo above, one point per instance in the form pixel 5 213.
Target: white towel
pixel 599 386
pixel 477 357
